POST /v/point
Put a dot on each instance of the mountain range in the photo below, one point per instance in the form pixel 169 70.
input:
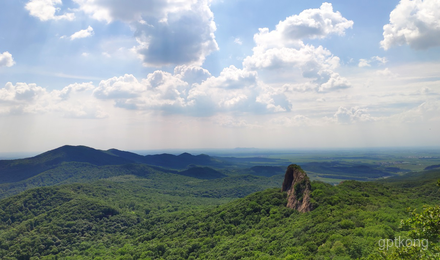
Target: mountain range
pixel 18 170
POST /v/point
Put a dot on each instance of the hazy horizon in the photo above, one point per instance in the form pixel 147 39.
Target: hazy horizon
pixel 253 151
pixel 181 75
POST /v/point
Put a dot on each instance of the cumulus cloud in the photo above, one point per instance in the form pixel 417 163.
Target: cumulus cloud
pixel 126 86
pixel 415 23
pixel 233 78
pixel 234 91
pixel 6 59
pixel 21 92
pixel 187 37
pixel 283 49
pixel 47 10
pixel 82 34
pixel 193 91
pixel 129 11
pixel 307 58
pixel 332 81
pixel 238 90
pixel 67 91
pixel 316 65
pixel 191 74
pixel 171 32
pixel 160 90
pixel 309 24
pixel 314 23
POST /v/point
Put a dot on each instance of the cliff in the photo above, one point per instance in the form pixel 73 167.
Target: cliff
pixel 297 185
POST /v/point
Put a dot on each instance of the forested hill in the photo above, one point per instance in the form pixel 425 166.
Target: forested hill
pixel 177 218
pixel 78 164
pixel 21 169
pixel 18 170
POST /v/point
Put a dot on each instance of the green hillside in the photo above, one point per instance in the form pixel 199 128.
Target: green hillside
pixel 79 172
pixel 61 159
pixel 82 203
pixel 177 217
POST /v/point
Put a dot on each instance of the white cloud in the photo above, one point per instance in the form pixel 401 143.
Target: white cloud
pixel 159 91
pixel 82 34
pixel 23 98
pixel 171 32
pixel 233 78
pixel 76 101
pixel 126 86
pixel 73 101
pixel 130 11
pixel 282 50
pixel 191 74
pixel 192 91
pixel 332 81
pixel 314 23
pixel 233 90
pixel 350 115
pixel 428 111
pixel 309 24
pixel 381 60
pixel 67 91
pixel 46 10
pixel 415 23
pixel 364 63
pixel 6 59
pixel 239 91
pixel 186 38
pixel 376 59
pixel 307 58
pixel 316 65
pixel 238 41
pixel 386 73
pixel 21 92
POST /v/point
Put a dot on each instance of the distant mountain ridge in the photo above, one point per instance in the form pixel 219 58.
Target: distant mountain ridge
pixel 20 169
pixel 169 160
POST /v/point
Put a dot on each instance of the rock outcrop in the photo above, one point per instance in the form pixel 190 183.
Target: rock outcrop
pixel 297 184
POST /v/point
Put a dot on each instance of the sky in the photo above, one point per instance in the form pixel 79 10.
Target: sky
pixel 192 74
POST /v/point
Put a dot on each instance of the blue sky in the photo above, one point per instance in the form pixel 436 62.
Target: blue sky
pixel 219 74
